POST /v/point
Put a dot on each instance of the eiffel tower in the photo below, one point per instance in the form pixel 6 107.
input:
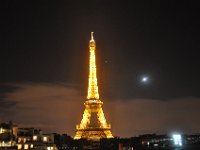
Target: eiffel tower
pixel 93 125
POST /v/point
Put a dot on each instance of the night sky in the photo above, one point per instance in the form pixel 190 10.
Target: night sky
pixel 44 58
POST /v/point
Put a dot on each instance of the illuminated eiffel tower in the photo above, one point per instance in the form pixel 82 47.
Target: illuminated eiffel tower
pixel 93 125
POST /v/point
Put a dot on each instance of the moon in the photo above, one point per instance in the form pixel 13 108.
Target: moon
pixel 144 79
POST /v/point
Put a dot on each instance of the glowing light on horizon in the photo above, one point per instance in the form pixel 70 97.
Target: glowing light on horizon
pixel 177 139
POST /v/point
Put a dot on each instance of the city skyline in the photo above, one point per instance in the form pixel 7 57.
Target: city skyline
pixel 147 57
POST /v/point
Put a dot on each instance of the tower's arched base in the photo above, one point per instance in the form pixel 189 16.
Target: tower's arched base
pixel 93 134
pixel 88 129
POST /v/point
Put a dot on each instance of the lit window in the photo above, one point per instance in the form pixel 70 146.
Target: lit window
pixel 19 140
pixel 19 146
pixel 44 139
pixel 49 148
pixel 24 140
pixel 26 146
pixel 34 138
pixel 31 146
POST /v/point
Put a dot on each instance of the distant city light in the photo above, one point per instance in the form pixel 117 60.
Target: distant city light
pixel 177 139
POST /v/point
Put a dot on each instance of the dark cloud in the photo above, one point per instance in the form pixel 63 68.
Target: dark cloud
pixel 46 106
pixel 58 108
pixel 142 116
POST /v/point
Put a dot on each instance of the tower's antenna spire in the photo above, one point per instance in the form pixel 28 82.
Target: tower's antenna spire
pixel 92 37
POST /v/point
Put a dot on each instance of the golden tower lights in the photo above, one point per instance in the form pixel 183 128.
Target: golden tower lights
pixel 93 106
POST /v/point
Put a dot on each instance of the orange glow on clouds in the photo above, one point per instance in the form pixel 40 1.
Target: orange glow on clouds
pixel 58 108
